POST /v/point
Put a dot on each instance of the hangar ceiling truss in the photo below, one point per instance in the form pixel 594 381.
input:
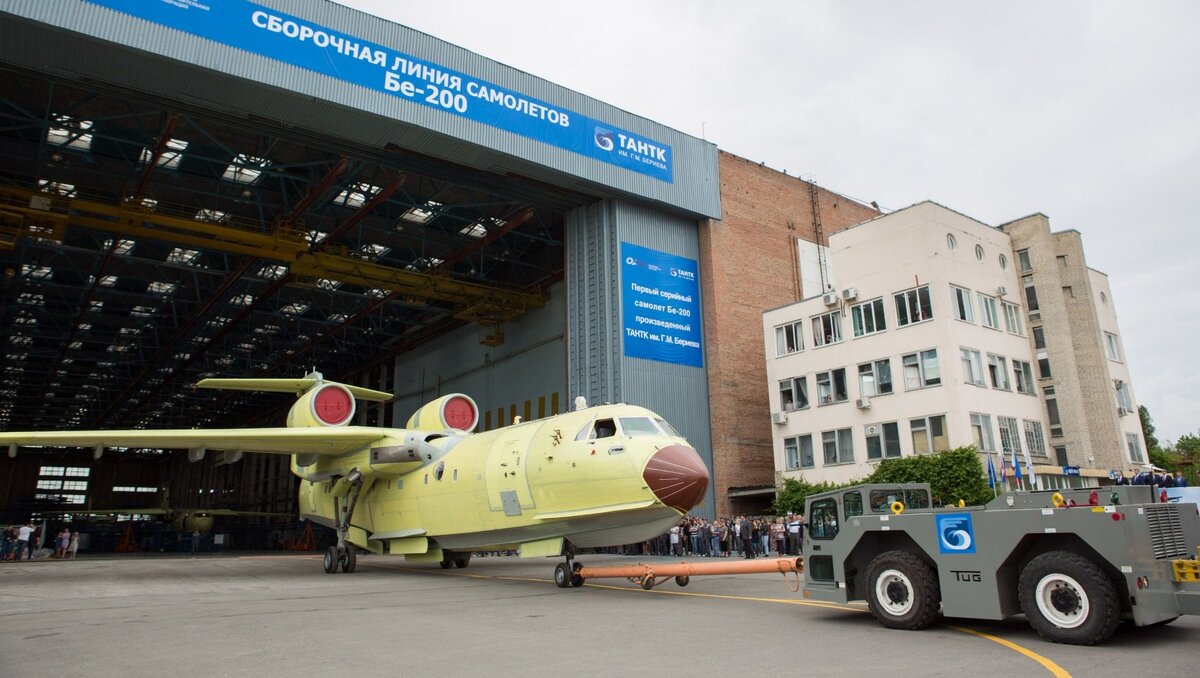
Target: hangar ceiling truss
pixel 146 244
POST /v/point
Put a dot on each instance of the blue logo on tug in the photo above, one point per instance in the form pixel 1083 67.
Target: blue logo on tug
pixel 955 534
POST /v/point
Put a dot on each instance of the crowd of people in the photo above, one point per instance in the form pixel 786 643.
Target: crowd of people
pixel 738 536
pixel 1149 477
pixel 19 542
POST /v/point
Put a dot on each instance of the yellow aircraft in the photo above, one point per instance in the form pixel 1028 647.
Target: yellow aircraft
pixel 434 492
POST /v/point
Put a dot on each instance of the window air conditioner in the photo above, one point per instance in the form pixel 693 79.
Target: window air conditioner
pixel 830 299
pixel 1001 291
pixel 779 417
pixel 1122 411
pixel 863 403
pixel 850 293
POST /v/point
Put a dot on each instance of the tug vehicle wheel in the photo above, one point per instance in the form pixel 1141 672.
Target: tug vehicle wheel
pixel 576 578
pixel 1068 599
pixel 682 580
pixel 902 591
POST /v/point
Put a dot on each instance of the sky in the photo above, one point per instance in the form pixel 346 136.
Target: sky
pixel 1085 111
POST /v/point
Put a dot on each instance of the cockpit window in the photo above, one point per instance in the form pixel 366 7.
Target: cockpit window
pixel 603 428
pixel 639 426
pixel 667 428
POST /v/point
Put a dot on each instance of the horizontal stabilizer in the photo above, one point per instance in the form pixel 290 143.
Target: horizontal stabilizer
pixel 296 386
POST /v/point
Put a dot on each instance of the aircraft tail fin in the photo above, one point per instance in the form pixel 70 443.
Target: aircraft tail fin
pixel 296 386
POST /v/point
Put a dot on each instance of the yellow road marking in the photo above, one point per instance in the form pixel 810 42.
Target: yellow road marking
pixel 1054 669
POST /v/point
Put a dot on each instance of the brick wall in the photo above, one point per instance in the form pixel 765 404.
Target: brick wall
pixel 748 264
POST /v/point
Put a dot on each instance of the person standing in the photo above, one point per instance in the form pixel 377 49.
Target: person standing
pixel 745 534
pixel 7 537
pixel 73 545
pixel 23 535
pixel 61 542
pixel 195 541
pixel 1180 481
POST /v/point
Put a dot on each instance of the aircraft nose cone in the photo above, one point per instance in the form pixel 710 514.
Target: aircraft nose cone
pixel 677 476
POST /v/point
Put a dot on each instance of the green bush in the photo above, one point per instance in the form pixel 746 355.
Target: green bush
pixel 790 498
pixel 952 475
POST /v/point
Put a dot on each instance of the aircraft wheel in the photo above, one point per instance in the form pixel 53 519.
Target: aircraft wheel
pixel 463 561
pixel 647 583
pixel 576 578
pixel 562 576
pixel 1068 599
pixel 682 580
pixel 902 591
pixel 349 560
pixel 331 560
pixel 446 563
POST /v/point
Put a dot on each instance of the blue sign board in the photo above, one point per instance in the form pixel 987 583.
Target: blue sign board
pixel 1070 470
pixel 284 37
pixel 660 306
pixel 955 533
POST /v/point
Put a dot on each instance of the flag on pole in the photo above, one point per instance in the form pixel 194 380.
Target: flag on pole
pixel 1016 468
pixel 1029 469
pixel 1004 470
pixel 991 472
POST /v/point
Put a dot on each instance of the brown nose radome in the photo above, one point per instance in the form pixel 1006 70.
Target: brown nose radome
pixel 677 476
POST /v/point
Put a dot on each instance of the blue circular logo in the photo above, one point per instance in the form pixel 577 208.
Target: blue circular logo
pixel 604 139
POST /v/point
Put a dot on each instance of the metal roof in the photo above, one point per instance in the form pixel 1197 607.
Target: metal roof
pixel 147 243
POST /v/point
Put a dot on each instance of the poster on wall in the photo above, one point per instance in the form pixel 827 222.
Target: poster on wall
pixel 660 306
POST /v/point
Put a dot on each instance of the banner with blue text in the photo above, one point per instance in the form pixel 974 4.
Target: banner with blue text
pixel 283 37
pixel 660 306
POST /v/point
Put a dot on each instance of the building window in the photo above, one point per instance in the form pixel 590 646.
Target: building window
pixel 1031 300
pixel 951 241
pixel 838 446
pixel 987 312
pixel 827 328
pixel 921 369
pixel 913 306
pixel 1135 448
pixel 1060 455
pixel 789 338
pixel 49 484
pixel 929 434
pixel 1034 441
pixel 1023 372
pixel 1123 399
pixel 998 371
pixel 1010 435
pixel 875 378
pixel 1043 366
pixel 831 387
pixel 979 252
pixel 76 485
pixel 798 452
pixel 972 363
pixel 1003 262
pixel 52 471
pixel 883 441
pixel 962 304
pixel 1039 337
pixel 1062 260
pixel 1023 261
pixel 1012 319
pixel 868 318
pixel 981 429
pixel 1111 347
pixel 793 393
pixel 1056 429
pixel 77 472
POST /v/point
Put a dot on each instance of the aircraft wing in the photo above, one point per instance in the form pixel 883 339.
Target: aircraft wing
pixel 323 441
pixel 110 512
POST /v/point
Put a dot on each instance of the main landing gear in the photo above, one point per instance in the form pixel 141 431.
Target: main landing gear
pixel 567 573
pixel 344 554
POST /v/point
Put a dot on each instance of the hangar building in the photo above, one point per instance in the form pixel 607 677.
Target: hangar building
pixel 268 188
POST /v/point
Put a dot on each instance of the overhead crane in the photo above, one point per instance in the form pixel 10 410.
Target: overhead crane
pixel 41 215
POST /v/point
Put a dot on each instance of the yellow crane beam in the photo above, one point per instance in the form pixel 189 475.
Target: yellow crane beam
pixel 41 215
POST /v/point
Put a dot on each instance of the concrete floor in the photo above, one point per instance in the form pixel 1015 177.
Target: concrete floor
pixel 269 615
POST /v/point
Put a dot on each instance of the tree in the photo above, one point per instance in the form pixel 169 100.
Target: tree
pixel 952 475
pixel 1147 429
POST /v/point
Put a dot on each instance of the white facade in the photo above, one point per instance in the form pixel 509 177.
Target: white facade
pixel 929 298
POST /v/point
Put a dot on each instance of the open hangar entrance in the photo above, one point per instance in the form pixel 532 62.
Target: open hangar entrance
pixel 172 209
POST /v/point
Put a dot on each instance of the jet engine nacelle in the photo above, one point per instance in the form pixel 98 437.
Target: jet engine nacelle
pixel 327 405
pixel 453 411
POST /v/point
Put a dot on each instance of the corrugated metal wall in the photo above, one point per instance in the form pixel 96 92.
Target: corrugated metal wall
pixel 278 91
pixel 597 366
pixel 525 375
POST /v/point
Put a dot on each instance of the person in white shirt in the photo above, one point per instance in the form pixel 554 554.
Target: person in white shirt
pixel 23 534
